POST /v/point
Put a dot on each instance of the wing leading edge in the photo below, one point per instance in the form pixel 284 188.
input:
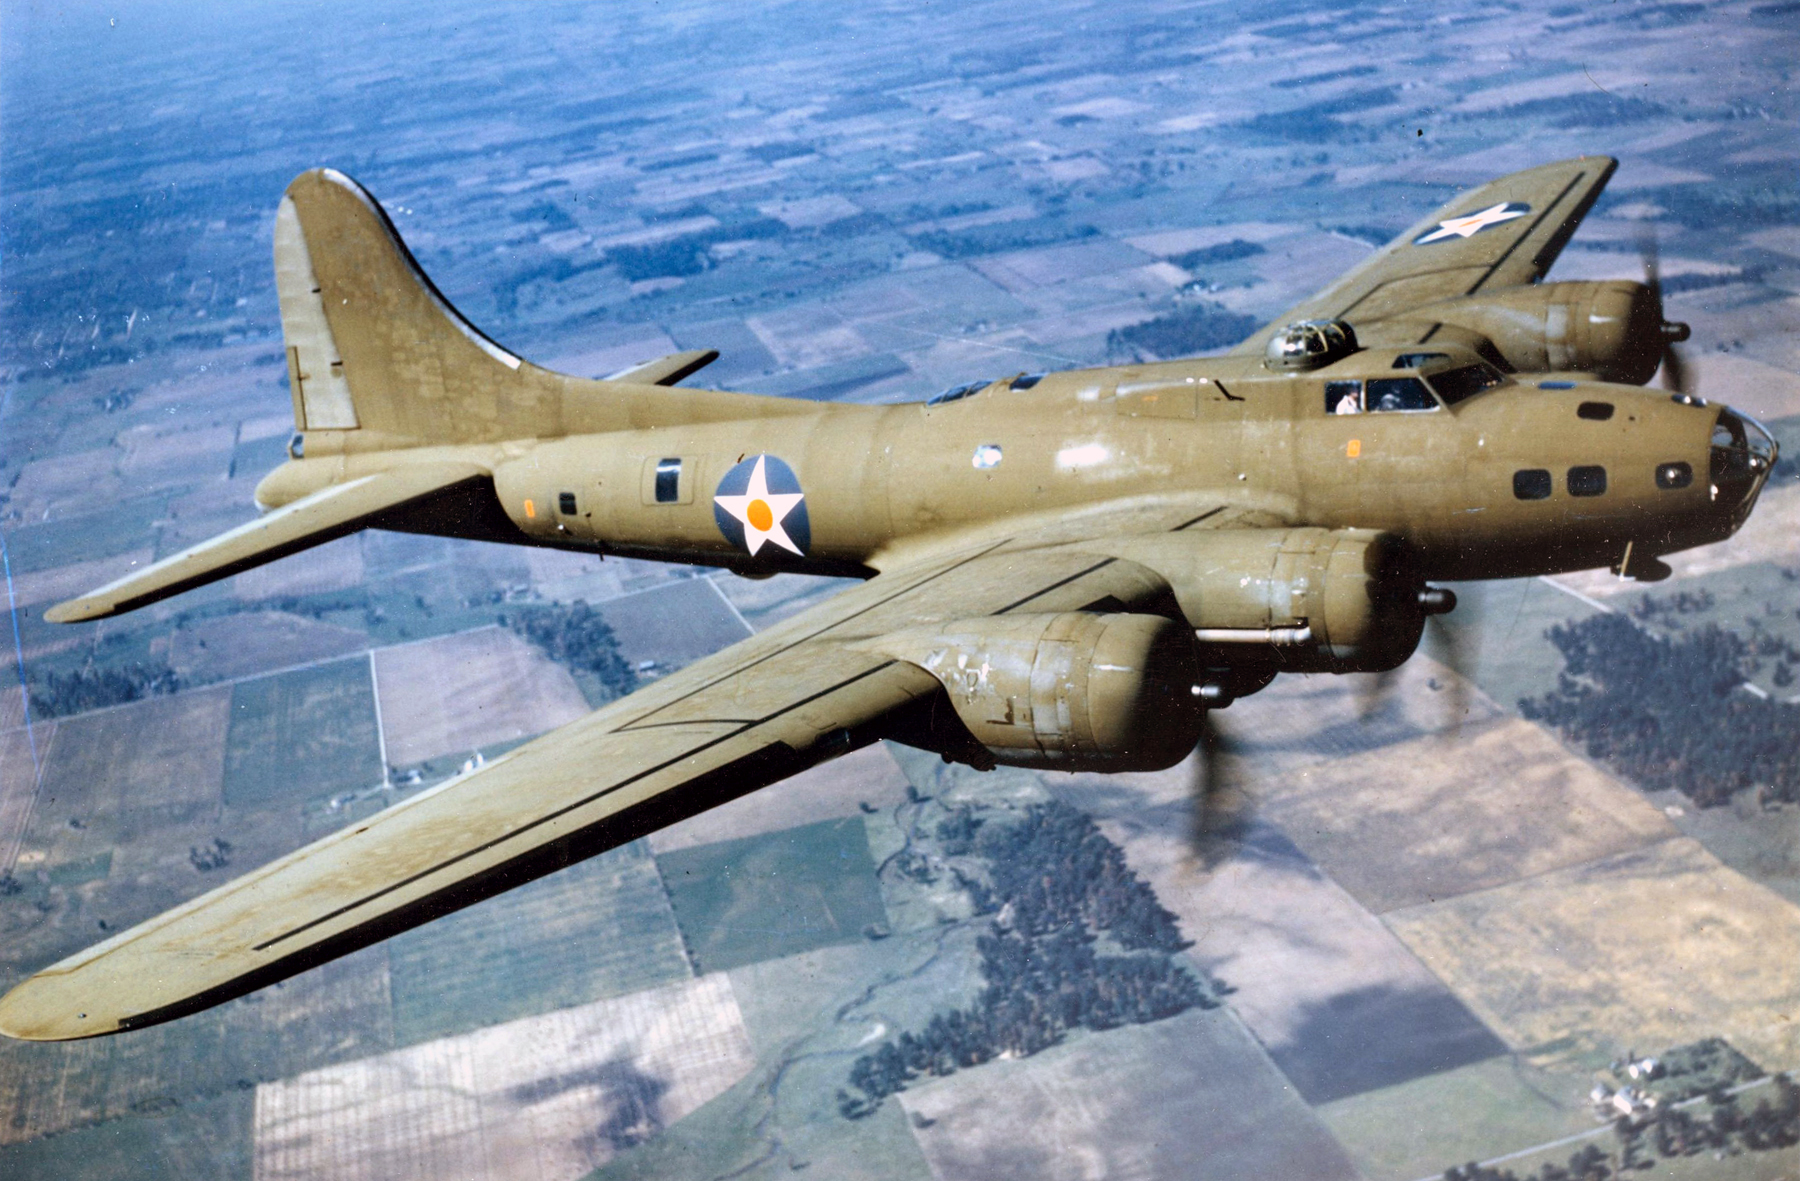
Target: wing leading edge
pixel 785 699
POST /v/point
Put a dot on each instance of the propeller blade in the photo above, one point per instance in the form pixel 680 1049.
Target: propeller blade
pixel 1447 645
pixel 1373 691
pixel 1675 373
pixel 1219 807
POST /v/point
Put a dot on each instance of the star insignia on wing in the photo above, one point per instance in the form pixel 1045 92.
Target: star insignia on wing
pixel 762 512
pixel 1470 224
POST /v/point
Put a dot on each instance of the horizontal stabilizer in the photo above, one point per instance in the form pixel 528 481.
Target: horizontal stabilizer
pixel 312 520
pixel 666 370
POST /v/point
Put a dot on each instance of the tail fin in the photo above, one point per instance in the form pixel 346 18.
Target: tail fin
pixel 371 344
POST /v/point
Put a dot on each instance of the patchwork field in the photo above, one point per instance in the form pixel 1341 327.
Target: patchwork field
pixel 334 1013
pixel 459 693
pixel 300 734
pixel 1486 1109
pixel 836 789
pixel 1188 1097
pixel 549 1097
pixel 1427 819
pixel 597 929
pixel 675 624
pixel 760 897
pixel 1662 945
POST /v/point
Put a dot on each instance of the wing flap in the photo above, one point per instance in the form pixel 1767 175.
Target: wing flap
pixel 312 520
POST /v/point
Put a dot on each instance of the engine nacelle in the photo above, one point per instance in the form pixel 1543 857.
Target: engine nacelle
pixel 1612 329
pixel 1292 600
pixel 1072 692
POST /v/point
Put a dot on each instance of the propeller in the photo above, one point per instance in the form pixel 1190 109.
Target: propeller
pixel 1220 806
pixel 1675 373
pixel 1446 646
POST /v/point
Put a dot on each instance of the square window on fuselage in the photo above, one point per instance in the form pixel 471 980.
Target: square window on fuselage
pixel 1587 480
pixel 1532 484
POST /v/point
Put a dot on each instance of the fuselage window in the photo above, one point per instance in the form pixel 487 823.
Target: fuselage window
pixel 1670 476
pixel 1414 360
pixel 1027 381
pixel 1594 411
pixel 565 503
pixel 1343 397
pixel 1398 393
pixel 1455 385
pixel 668 481
pixel 1587 480
pixel 1532 484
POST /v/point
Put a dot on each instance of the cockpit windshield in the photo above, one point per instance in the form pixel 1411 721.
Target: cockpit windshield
pixel 1456 385
pixel 955 392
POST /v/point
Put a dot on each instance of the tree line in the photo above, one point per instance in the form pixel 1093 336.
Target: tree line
pixel 579 637
pixel 1672 713
pixel 1673 1132
pixel 57 695
pixel 1053 880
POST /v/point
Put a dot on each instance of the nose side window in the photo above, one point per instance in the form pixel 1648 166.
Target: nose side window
pixel 1670 476
pixel 1587 480
pixel 1532 484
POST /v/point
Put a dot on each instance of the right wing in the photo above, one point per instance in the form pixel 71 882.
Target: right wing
pixel 1506 233
pixel 326 515
pixel 782 700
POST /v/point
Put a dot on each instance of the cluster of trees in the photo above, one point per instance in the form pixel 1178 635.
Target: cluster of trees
pixel 1670 1133
pixel 1223 252
pixel 578 636
pixel 1055 879
pixel 207 858
pixel 1672 713
pixel 58 695
pixel 1192 329
pixel 1001 238
pixel 1056 871
pixel 688 254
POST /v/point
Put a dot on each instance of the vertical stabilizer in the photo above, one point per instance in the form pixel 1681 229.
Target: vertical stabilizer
pixel 371 343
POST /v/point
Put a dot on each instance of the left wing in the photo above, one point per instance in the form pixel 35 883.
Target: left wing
pixel 1506 233
pixel 780 701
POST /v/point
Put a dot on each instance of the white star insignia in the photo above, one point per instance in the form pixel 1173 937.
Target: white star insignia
pixel 1471 224
pixel 762 512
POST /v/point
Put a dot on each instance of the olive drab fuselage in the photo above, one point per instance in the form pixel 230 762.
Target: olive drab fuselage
pixel 878 480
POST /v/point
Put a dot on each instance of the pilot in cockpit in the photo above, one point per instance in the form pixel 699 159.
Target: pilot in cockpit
pixel 1343 397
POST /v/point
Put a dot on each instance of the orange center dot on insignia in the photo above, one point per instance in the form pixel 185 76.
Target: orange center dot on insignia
pixel 759 515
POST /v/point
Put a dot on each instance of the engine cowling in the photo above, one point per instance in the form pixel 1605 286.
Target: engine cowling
pixel 1613 329
pixel 1292 600
pixel 1072 691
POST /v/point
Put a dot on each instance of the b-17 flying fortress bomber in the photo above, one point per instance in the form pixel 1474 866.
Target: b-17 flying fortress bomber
pixel 1062 571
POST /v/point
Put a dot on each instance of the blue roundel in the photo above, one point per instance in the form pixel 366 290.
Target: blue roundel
pixel 758 504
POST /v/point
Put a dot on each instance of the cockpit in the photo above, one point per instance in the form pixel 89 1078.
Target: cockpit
pixel 1436 381
pixel 957 393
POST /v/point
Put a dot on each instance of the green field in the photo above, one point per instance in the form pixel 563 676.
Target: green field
pixel 1474 1112
pixel 202 1140
pixel 601 928
pixel 773 895
pixel 302 734
pixel 124 526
